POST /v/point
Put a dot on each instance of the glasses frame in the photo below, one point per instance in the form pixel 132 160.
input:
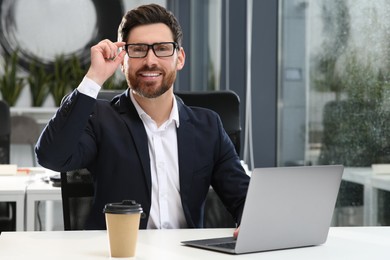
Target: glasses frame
pixel 151 46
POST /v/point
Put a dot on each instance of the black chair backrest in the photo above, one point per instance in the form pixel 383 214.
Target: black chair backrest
pixel 5 132
pixel 77 192
pixel 109 94
pixel 7 222
pixel 225 103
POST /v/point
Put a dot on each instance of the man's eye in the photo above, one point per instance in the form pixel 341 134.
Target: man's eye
pixel 162 48
pixel 138 49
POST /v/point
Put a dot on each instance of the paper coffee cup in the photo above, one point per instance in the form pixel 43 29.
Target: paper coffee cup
pixel 122 220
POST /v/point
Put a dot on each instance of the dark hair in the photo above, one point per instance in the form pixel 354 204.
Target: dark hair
pixel 149 14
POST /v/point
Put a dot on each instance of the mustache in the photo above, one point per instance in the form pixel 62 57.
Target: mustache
pixel 150 68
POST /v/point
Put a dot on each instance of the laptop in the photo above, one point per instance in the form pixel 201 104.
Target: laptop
pixel 285 207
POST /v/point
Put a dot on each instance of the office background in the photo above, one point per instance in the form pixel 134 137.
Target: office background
pixel 312 75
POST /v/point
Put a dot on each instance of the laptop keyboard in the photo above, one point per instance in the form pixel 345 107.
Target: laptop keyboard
pixel 227 245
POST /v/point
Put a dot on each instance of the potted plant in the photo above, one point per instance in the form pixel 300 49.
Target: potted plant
pixel 77 71
pixel 38 80
pixel 59 84
pixel 67 74
pixel 11 84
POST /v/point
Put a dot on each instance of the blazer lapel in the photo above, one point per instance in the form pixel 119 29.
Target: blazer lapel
pixel 137 131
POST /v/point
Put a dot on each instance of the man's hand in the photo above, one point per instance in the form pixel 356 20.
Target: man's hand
pixel 235 233
pixel 105 59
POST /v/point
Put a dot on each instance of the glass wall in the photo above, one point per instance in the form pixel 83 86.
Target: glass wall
pixel 334 95
pixel 205 46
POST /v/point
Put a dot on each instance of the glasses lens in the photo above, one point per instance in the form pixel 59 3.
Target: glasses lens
pixel 137 50
pixel 164 49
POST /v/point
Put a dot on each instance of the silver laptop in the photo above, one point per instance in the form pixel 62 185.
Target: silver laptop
pixel 286 207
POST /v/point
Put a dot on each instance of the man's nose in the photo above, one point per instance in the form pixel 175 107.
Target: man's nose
pixel 150 56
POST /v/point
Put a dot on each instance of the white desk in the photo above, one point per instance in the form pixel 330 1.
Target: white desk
pixel 39 191
pixel 26 190
pixel 371 184
pixel 12 189
pixel 378 182
pixel 363 175
pixel 358 243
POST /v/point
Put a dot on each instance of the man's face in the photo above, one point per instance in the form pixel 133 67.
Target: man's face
pixel 152 76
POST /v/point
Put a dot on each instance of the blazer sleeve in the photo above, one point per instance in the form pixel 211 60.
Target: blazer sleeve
pixel 229 180
pixel 208 157
pixel 65 143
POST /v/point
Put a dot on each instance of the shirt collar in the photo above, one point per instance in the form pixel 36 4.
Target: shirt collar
pixel 174 116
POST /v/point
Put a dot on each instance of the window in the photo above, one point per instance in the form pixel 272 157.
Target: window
pixel 205 51
pixel 334 95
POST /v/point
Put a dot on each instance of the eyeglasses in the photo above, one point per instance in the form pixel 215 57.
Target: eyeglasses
pixel 160 49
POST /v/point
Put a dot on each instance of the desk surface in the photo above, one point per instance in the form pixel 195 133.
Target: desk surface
pixel 343 243
pixel 10 184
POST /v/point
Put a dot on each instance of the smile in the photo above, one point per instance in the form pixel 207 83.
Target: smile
pixel 150 74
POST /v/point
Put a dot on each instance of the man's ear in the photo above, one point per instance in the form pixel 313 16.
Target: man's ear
pixel 181 58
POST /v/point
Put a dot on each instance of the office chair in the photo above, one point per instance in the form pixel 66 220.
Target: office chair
pixel 109 94
pixel 7 210
pixel 226 104
pixel 77 193
pixel 5 130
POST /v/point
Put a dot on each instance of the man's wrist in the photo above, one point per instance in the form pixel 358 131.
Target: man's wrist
pixel 95 78
pixel 89 87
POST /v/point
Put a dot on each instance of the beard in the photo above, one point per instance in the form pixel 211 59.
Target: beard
pixel 150 89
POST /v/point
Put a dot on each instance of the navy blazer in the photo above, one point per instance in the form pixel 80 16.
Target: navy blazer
pixel 109 139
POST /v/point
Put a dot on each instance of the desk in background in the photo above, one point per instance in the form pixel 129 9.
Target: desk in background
pixel 26 190
pixel 378 182
pixel 362 176
pixel 358 243
pixel 371 183
pixel 40 191
pixel 12 189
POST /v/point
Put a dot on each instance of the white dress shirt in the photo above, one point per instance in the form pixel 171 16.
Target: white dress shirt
pixel 166 208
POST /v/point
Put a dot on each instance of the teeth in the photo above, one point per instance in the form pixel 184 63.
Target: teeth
pixel 150 74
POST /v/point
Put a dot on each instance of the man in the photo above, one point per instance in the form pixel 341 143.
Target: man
pixel 145 145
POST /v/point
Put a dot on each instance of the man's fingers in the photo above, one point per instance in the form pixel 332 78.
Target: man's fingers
pixel 106 56
pixel 109 49
pixel 235 233
pixel 120 44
